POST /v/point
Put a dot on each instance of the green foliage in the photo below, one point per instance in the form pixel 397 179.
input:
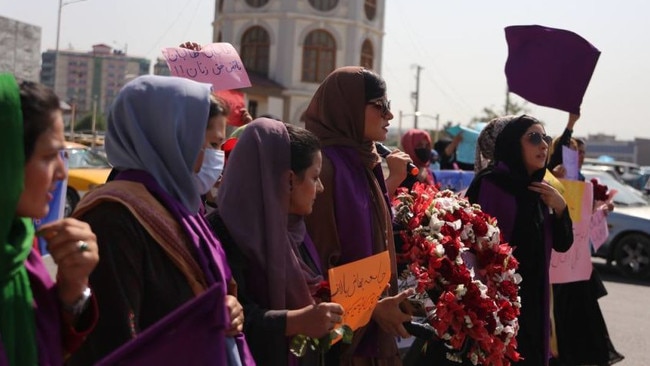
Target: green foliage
pixel 490 113
pixel 86 123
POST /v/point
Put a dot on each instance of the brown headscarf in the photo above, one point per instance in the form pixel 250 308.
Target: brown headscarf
pixel 253 202
pixel 336 113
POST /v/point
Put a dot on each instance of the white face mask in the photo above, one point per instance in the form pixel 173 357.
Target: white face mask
pixel 211 168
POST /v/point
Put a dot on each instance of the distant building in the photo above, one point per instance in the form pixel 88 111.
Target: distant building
pixel 21 49
pixel 99 74
pixel 160 67
pixel 289 47
pixel 642 151
pixel 602 144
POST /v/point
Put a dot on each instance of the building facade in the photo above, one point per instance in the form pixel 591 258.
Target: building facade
pixel 79 78
pixel 289 46
pixel 21 49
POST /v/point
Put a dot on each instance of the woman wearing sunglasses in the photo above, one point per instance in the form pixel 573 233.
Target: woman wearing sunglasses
pixel 533 218
pixel 351 219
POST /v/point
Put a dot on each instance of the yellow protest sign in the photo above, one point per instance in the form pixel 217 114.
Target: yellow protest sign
pixel 554 182
pixel 573 195
pixel 358 285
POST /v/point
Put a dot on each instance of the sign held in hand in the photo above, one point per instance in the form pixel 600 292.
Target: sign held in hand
pixel 216 63
pixel 358 285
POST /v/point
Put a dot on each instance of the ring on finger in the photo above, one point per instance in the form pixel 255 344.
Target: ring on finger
pixel 83 246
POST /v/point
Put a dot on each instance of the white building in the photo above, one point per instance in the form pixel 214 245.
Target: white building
pixel 20 44
pixel 290 46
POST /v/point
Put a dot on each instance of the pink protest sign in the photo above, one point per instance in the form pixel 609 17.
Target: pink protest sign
pixel 217 63
pixel 575 264
pixel 598 230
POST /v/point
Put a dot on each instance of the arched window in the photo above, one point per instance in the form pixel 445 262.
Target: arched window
pixel 256 3
pixel 367 55
pixel 324 5
pixel 370 6
pixel 318 56
pixel 255 44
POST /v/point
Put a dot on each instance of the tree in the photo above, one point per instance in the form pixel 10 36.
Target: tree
pixel 86 123
pixel 512 108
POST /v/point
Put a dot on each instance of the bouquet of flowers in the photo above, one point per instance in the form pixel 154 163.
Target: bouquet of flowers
pixel 459 261
pixel 301 343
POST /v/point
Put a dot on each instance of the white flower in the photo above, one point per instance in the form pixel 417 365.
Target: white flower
pixel 474 358
pixel 440 250
pixel 460 291
pixel 468 321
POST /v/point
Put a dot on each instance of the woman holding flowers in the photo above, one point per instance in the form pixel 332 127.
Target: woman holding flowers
pixel 352 219
pixel 533 218
pixel 271 183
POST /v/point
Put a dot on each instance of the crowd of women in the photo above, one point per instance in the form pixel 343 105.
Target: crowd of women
pixel 291 203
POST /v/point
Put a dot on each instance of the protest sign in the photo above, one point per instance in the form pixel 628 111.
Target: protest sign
pixel 357 286
pixel 216 63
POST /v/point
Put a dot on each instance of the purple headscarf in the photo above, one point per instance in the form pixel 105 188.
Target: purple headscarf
pixel 253 203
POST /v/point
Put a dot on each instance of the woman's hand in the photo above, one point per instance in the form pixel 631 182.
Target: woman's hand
pixel 73 247
pixel 559 171
pixel 191 46
pixel 550 196
pixel 315 320
pixel 244 116
pixel 396 162
pixel 236 316
pixel 390 317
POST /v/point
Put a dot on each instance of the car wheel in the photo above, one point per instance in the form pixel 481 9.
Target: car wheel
pixel 71 200
pixel 632 255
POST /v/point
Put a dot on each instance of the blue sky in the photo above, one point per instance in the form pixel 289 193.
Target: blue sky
pixel 460 45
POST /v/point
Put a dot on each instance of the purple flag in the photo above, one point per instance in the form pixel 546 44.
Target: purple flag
pixel 193 334
pixel 549 67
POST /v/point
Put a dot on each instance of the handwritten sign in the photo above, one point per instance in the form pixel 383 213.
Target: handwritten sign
pixel 216 63
pixel 598 229
pixel 358 285
pixel 571 164
pixel 575 264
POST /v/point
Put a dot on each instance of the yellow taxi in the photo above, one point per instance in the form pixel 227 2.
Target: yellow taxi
pixel 86 170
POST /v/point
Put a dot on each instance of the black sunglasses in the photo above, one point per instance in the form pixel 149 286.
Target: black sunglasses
pixel 382 104
pixel 536 138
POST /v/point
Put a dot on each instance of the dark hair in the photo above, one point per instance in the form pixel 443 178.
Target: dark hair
pixel 374 85
pixel 304 145
pixel 579 141
pixel 218 107
pixel 37 103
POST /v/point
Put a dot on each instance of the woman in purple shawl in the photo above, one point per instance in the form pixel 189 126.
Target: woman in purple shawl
pixel 270 184
pixel 157 250
pixel 533 218
pixel 352 219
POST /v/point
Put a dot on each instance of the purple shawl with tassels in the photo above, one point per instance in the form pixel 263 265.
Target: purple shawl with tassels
pixel 206 250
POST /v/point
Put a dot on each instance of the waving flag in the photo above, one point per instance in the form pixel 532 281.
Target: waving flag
pixel 549 67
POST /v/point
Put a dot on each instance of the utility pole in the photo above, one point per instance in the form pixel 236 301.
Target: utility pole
pixel 416 96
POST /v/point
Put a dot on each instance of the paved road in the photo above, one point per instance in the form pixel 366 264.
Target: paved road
pixel 627 312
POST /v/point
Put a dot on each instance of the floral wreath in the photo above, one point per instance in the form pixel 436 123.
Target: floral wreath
pixel 458 259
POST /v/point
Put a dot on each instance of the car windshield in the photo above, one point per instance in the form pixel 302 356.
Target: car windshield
pixel 86 159
pixel 626 195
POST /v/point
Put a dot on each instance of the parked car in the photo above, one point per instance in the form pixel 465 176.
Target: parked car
pixel 86 170
pixel 628 243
